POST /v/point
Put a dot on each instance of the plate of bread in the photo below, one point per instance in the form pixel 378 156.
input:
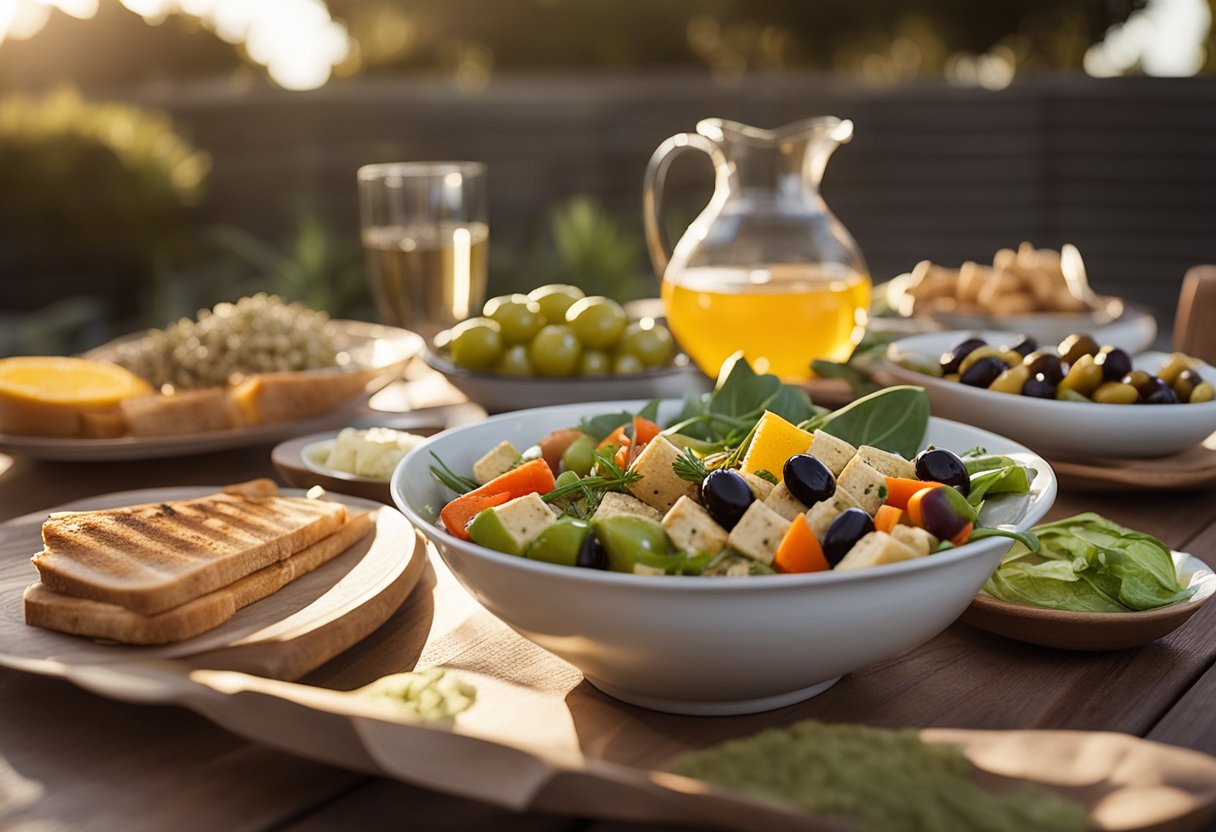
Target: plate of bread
pixel 186 390
pixel 288 578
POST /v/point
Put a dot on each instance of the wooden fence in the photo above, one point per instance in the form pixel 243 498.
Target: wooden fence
pixel 1124 168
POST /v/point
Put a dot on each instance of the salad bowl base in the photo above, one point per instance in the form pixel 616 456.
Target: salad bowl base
pixel 728 708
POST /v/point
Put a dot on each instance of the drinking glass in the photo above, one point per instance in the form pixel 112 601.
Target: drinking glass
pixel 426 240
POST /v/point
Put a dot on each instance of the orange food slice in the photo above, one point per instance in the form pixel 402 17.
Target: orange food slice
pixel 51 395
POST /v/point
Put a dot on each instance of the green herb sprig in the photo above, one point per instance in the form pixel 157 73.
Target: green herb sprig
pixel 449 479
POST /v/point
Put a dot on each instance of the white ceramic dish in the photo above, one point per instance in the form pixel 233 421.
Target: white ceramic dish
pixel 720 645
pixel 498 393
pixel 1068 430
pixel 369 345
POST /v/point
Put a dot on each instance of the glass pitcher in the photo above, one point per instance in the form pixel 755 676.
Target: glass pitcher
pixel 766 267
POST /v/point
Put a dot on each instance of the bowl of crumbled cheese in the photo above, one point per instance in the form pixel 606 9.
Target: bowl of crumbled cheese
pixel 353 461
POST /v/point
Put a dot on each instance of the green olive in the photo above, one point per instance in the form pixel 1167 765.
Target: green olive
pixel 1012 380
pixel 515 362
pixel 975 355
pixel 1083 377
pixel 1204 392
pixel 1011 357
pixel 1185 384
pixel 1065 395
pixel 1075 346
pixel 597 321
pixel 626 364
pixel 1173 367
pixel 554 300
pixel 650 342
pixel 595 363
pixel 555 351
pixel 476 343
pixel 518 317
pixel 1116 392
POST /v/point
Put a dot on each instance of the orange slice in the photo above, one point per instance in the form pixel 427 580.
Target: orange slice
pixel 56 396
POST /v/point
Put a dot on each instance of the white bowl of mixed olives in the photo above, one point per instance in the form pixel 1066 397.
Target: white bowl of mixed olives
pixel 555 345
pixel 709 645
pixel 1074 400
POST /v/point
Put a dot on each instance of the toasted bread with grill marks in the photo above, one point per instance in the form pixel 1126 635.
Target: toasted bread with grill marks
pixel 80 616
pixel 154 557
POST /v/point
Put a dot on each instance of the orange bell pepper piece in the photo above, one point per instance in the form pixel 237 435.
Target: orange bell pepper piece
pixel 900 490
pixel 887 518
pixel 800 550
pixel 533 477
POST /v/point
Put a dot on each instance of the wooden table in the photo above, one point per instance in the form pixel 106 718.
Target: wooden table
pixel 70 760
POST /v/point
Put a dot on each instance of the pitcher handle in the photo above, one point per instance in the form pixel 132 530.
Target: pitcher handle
pixel 652 192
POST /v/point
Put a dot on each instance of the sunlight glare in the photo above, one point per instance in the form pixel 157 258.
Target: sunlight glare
pixel 1165 38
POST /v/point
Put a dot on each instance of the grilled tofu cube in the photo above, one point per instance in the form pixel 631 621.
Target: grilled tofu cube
pixel 614 503
pixel 865 484
pixel 918 539
pixel 498 461
pixel 832 452
pixel 824 512
pixel 660 486
pixel 887 464
pixel 758 533
pixel 760 487
pixel 692 529
pixel 785 503
pixel 511 526
pixel 874 549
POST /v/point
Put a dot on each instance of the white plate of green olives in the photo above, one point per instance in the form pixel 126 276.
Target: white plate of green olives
pixel 1074 400
pixel 555 345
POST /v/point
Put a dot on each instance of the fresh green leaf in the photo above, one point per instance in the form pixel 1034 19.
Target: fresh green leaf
pixel 894 419
pixel 650 411
pixel 740 391
pixel 1088 563
pixel 997 475
pixel 791 403
pixel 769 476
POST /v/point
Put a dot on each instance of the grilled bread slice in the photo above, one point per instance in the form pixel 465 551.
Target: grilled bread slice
pixel 151 558
pixel 98 619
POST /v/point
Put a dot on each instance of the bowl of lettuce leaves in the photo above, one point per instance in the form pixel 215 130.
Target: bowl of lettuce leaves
pixel 1092 585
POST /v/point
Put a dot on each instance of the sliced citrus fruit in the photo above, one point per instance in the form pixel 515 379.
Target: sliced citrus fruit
pixel 775 441
pixel 56 396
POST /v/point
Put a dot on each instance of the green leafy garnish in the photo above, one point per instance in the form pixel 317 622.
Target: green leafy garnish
pixel 1087 563
pixel 688 466
pixel 600 426
pixel 449 479
pixel 608 476
pixel 858 370
pixel 767 476
pixel 739 399
pixel 894 419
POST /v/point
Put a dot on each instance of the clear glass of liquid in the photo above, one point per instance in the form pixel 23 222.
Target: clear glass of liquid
pixel 426 241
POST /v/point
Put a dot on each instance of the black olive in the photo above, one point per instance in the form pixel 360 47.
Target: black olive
pixel 808 479
pixel 1144 383
pixel 726 496
pixel 1162 393
pixel 984 372
pixel 1115 363
pixel 1039 388
pixel 941 465
pixel 950 360
pixel 850 526
pixel 1075 346
pixel 1186 383
pixel 1046 364
pixel 1025 345
pixel 591 553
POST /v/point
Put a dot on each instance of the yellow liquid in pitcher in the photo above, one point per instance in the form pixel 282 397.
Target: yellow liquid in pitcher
pixel 782 317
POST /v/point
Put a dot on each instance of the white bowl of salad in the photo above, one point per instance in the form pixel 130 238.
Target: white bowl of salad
pixel 729 554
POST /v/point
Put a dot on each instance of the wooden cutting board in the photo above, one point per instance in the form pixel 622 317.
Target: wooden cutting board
pixel 283 636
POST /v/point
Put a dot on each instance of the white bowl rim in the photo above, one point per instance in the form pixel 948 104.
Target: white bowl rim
pixel 676 583
pixel 905 375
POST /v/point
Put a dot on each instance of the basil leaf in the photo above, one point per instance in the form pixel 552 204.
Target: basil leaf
pixel 650 411
pixel 791 403
pixel 894 419
pixel 740 391
pixel 859 381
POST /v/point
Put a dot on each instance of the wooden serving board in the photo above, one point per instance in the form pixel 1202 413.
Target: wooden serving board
pixel 1194 468
pixel 539 739
pixel 283 636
